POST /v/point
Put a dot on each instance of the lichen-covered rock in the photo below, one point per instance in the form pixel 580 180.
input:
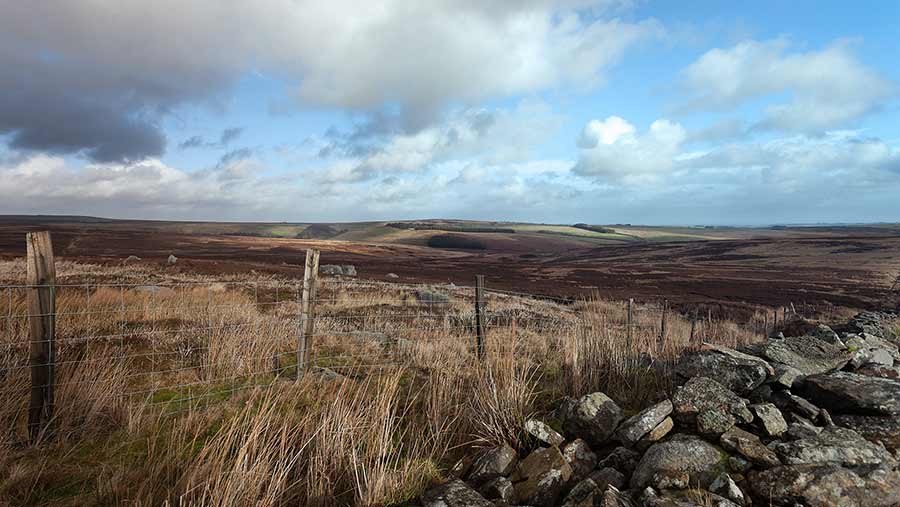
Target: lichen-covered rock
pixel 498 488
pixel 826 334
pixel 735 370
pixel 643 422
pixel 540 478
pixel 656 434
pixel 709 406
pixel 580 457
pixel 770 418
pixel 807 354
pixel 875 323
pixel 492 463
pixel 454 494
pixel 681 455
pixel 607 476
pixel 851 393
pixel 785 376
pixel 833 445
pixel 749 446
pixel 593 417
pixel 825 485
pixel 622 459
pixel 543 432
pixel 685 498
pixel 584 494
pixel 725 486
pixel 612 497
pixel 884 429
pixel 787 401
pixel 877 370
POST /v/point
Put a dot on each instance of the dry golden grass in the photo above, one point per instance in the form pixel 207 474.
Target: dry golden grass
pixel 188 396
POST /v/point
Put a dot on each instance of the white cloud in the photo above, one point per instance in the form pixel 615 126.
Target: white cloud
pixel 613 150
pixel 124 65
pixel 828 88
pixel 494 136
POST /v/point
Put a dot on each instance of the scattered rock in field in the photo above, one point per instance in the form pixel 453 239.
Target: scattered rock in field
pixel 584 494
pixel 770 418
pixel 330 269
pixel 875 323
pixel 850 393
pixel 785 376
pixel 826 485
pixel 640 424
pixel 580 457
pixel 725 486
pixel 884 429
pixel 593 417
pixel 656 434
pixel 392 276
pixel 709 406
pixel 613 497
pixel 540 478
pixel 807 354
pixel 171 260
pixel 749 446
pixel 348 270
pixel 787 401
pixel 492 463
pixel 498 488
pixel 454 494
pixel 543 432
pixel 427 297
pixel 622 459
pixel 826 334
pixel 131 259
pixel 876 370
pixel 735 370
pixel 326 373
pixel 681 459
pixel 608 476
pixel 833 445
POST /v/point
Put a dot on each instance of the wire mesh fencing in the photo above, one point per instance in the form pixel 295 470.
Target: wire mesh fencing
pixel 180 345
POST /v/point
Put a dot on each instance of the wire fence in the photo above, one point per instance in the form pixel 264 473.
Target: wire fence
pixel 181 345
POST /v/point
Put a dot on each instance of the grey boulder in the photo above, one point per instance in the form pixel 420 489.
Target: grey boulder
pixel 593 417
pixel 638 425
pixel 807 354
pixel 454 494
pixel 850 393
pixel 735 370
pixel 680 460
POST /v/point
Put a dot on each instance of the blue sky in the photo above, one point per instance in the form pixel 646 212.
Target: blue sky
pixel 579 111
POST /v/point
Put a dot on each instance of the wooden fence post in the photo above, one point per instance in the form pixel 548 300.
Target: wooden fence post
pixel 479 316
pixel 307 311
pixel 41 276
pixel 662 324
pixel 630 324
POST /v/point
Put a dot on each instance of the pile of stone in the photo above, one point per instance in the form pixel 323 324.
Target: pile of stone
pixel 799 420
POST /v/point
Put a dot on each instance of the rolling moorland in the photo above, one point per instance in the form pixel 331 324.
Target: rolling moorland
pixel 723 268
pixel 177 383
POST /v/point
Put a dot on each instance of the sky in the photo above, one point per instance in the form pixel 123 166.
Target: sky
pixel 607 111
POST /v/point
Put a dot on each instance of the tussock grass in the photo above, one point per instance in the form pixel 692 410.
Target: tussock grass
pixel 188 396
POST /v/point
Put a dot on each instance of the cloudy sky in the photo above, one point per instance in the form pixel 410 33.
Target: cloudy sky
pixel 641 111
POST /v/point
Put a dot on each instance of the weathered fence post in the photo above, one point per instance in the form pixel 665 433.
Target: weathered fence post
pixel 662 324
pixel 693 326
pixel 41 276
pixel 630 324
pixel 307 311
pixel 479 316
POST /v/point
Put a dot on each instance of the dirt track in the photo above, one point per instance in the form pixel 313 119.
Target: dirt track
pixel 844 271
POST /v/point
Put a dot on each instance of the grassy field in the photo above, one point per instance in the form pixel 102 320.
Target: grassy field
pixel 174 397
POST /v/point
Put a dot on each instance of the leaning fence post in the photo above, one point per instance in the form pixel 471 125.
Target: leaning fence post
pixel 479 316
pixel 307 311
pixel 41 276
pixel 693 327
pixel 630 323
